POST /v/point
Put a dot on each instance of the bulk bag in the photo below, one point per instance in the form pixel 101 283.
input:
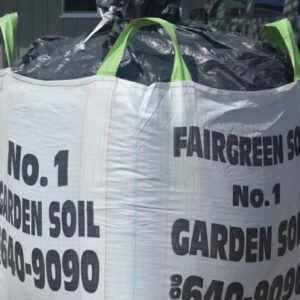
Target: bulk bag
pixel 119 191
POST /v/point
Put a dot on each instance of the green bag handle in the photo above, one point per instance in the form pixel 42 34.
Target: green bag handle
pixel 281 34
pixel 115 55
pixel 8 26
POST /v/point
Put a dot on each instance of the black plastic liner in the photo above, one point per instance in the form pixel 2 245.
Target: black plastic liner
pixel 221 60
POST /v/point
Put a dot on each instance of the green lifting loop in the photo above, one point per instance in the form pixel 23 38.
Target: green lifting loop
pixel 8 26
pixel 115 55
pixel 281 34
